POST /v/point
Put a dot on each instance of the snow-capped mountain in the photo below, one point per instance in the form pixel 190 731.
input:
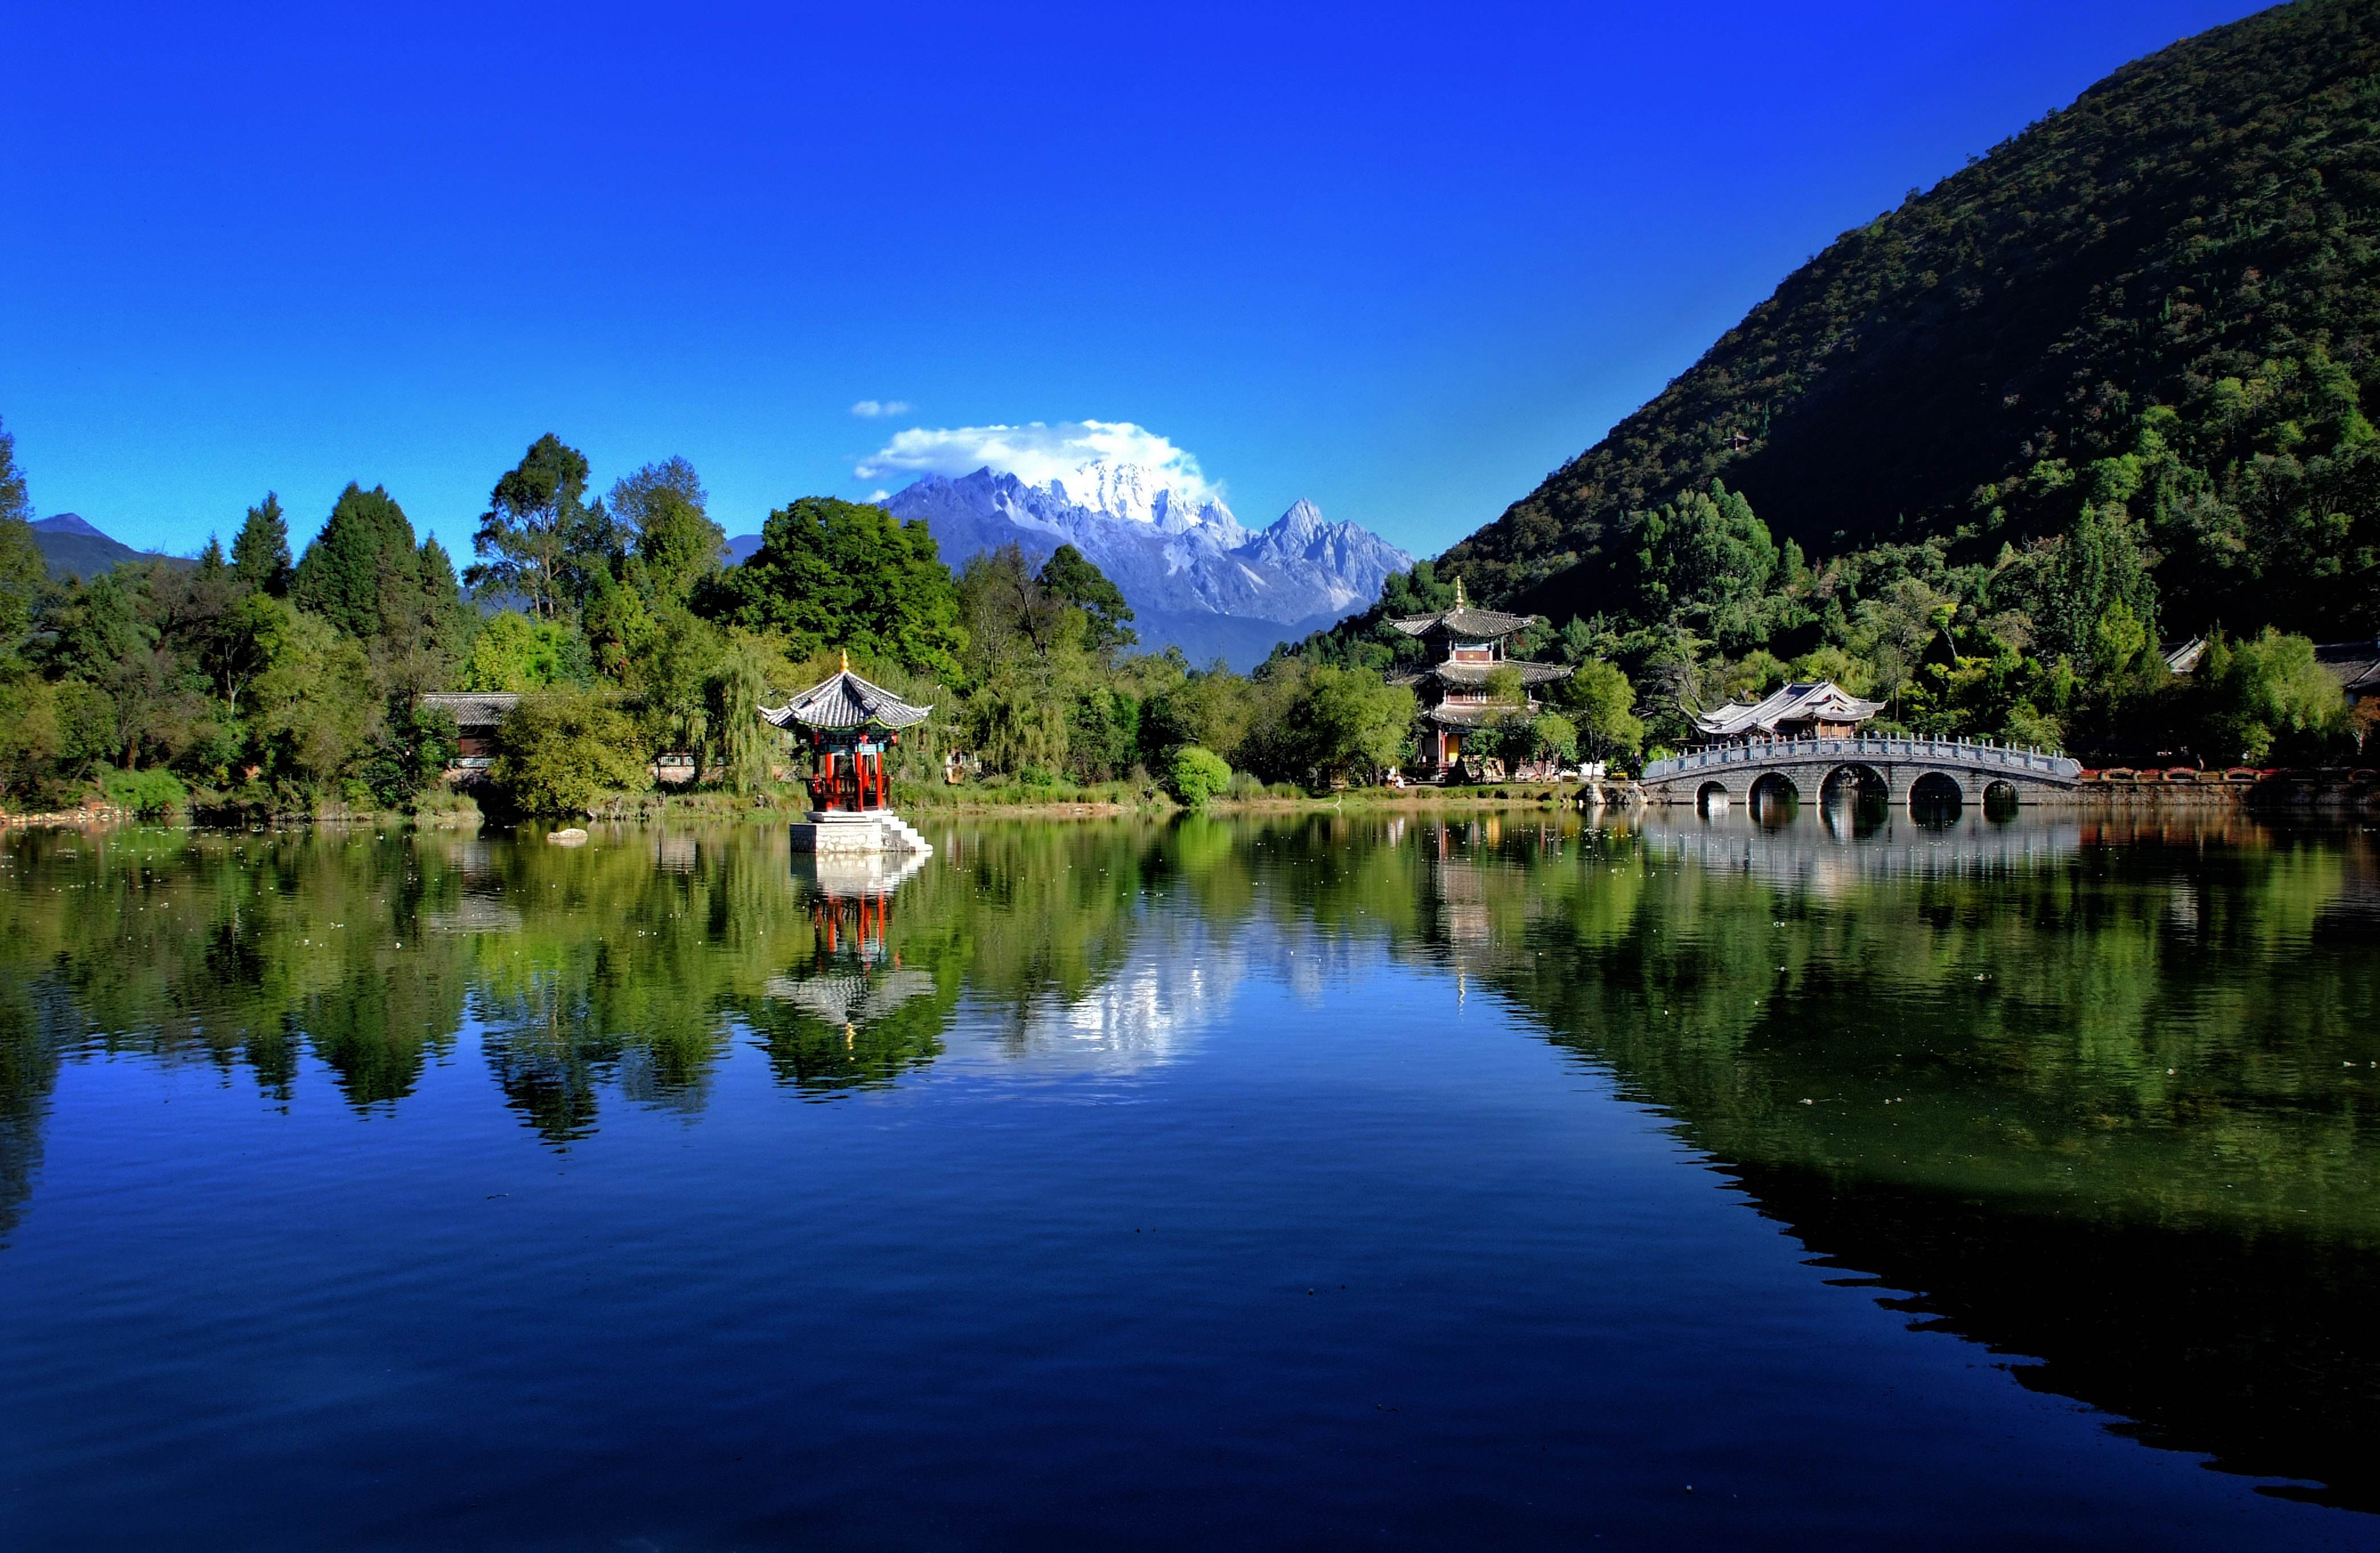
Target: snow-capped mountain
pixel 1194 577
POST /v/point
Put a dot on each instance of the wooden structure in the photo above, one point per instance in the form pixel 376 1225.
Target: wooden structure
pixel 1810 709
pixel 477 714
pixel 852 727
pixel 1467 648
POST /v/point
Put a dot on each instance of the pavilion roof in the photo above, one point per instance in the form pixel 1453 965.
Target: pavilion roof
pixel 1461 620
pixel 845 700
pixel 1472 625
pixel 1810 700
pixel 1472 675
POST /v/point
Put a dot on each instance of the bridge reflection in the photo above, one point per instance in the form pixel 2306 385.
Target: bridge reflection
pixel 1837 846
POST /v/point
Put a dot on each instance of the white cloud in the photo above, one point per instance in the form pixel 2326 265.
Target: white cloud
pixel 1038 452
pixel 870 410
pixel 878 494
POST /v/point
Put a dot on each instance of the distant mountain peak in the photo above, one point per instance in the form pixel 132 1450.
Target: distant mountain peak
pixel 1197 579
pixel 67 523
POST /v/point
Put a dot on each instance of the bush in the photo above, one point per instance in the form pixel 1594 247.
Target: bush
pixel 1195 775
pixel 151 793
pixel 557 754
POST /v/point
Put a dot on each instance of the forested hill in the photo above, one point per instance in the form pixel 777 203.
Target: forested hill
pixel 1985 365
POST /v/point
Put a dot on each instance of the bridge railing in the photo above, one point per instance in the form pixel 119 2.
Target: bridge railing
pixel 1985 755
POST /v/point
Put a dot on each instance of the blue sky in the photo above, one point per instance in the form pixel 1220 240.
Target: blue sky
pixel 1398 261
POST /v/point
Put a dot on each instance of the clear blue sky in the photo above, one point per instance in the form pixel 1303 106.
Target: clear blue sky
pixel 1400 261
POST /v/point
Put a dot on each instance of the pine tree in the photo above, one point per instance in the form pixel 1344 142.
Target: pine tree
pixel 361 573
pixel 260 555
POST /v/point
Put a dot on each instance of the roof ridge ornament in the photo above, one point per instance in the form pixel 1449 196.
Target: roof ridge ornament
pixel 1459 602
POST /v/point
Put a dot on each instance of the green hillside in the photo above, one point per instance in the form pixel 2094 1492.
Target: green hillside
pixel 2135 341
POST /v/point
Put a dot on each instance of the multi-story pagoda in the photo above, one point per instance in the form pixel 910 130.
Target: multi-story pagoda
pixel 1468 647
pixel 853 726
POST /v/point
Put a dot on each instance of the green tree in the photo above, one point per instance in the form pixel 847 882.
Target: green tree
pixel 361 573
pixel 2265 693
pixel 1069 576
pixel 534 519
pixel 260 552
pixel 831 574
pixel 1602 703
pixel 666 507
pixel 1193 775
pixel 559 752
pixel 314 706
pixel 514 652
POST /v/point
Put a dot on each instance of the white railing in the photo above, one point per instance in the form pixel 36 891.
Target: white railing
pixel 1862 748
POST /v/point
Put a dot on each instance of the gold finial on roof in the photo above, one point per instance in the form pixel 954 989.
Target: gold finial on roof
pixel 1458 594
pixel 846 660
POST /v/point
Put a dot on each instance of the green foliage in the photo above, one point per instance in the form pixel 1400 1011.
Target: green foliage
pixel 16 500
pixel 2268 692
pixel 260 553
pixel 312 708
pixel 1601 704
pixel 362 568
pixel 667 509
pixel 514 652
pixel 1335 725
pixel 535 517
pixel 845 575
pixel 1193 775
pixel 153 794
pixel 1070 578
pixel 410 754
pixel 559 751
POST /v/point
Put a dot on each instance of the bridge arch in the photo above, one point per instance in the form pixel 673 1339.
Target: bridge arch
pixel 2001 799
pixel 1935 795
pixel 1773 796
pixel 1711 798
pixel 1854 780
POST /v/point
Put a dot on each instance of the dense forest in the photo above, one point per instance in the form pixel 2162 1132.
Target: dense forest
pixel 2099 393
pixel 255 683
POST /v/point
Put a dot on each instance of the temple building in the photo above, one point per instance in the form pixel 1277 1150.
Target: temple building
pixel 1817 709
pixel 1466 646
pixel 852 727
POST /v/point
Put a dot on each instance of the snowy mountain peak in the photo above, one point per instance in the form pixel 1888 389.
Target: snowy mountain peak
pixel 1136 494
pixel 1197 579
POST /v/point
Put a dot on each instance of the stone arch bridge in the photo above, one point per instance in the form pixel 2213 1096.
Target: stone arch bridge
pixel 1898 770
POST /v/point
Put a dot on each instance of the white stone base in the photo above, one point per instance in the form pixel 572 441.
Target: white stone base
pixel 833 832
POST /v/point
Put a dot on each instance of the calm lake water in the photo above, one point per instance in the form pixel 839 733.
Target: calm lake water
pixel 1317 1182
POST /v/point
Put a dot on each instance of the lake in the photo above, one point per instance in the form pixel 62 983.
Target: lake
pixel 1400 1180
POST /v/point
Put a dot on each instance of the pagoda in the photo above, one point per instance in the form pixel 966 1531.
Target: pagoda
pixel 1468 647
pixel 852 726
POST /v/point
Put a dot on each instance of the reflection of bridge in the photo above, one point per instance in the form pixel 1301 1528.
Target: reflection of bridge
pixel 1828 854
pixel 1895 769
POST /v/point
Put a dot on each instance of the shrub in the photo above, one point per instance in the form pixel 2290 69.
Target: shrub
pixel 557 754
pixel 150 793
pixel 1195 775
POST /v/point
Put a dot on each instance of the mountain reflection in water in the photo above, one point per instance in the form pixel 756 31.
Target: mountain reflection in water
pixel 2099 1096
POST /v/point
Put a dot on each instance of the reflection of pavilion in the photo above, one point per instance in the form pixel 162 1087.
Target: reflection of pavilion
pixel 853 977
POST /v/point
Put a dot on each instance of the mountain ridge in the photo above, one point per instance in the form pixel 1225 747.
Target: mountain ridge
pixel 2196 232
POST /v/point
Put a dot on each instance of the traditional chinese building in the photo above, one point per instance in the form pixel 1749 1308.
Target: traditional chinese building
pixel 852 727
pixel 1816 709
pixel 1468 647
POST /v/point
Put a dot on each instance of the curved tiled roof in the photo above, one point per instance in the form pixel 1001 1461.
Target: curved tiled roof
pixel 1479 674
pixel 471 709
pixel 1472 625
pixel 845 700
pixel 1816 698
pixel 1469 714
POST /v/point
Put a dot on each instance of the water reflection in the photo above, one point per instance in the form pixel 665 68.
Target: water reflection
pixel 2100 1094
